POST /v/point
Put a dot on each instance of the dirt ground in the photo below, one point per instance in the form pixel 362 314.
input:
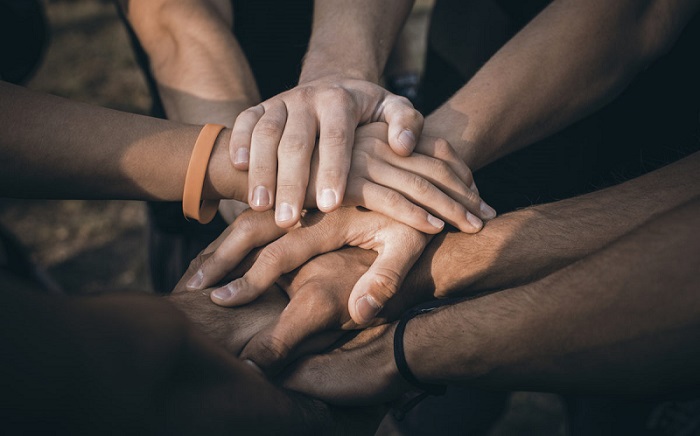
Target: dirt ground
pixel 100 246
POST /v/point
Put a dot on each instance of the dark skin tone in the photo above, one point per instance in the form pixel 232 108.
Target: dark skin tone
pixel 609 277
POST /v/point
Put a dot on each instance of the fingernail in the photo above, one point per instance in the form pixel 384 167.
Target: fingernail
pixel 474 221
pixel 260 196
pixel 241 156
pixel 368 308
pixel 255 367
pixel 225 293
pixel 436 222
pixel 474 188
pixel 284 212
pixel 487 211
pixel 327 199
pixel 407 139
pixel 196 281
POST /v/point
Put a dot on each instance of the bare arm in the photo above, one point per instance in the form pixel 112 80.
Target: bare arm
pixel 571 59
pixel 201 71
pixel 371 26
pixel 625 320
pixel 550 236
pixel 55 148
pixel 605 324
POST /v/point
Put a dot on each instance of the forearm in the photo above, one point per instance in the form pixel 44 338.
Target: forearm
pixel 56 148
pixel 353 39
pixel 201 71
pixel 606 324
pixel 571 59
pixel 524 245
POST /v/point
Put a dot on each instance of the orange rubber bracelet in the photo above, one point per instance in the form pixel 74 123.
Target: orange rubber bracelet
pixel 192 204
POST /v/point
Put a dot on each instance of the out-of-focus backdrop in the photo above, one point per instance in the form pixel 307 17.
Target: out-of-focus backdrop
pixel 100 246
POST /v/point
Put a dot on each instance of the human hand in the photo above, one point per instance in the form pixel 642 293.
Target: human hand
pixel 398 247
pixel 285 127
pixel 362 371
pixel 415 190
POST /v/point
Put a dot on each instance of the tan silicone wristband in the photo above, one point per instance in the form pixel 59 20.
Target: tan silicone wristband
pixel 192 204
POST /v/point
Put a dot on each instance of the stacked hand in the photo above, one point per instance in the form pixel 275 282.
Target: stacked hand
pixel 372 167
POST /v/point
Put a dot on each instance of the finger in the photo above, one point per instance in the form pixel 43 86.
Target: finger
pixel 336 139
pixel 294 153
pixel 279 257
pixel 272 348
pixel 262 170
pixel 383 279
pixel 446 203
pixel 239 145
pixel 442 151
pixel 246 233
pixel 392 204
pixel 405 124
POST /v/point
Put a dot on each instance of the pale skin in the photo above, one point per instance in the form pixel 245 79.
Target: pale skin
pixel 36 140
pixel 203 76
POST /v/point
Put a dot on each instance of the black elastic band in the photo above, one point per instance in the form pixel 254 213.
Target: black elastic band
pixel 400 356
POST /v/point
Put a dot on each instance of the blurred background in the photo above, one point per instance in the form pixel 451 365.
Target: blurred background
pixel 100 246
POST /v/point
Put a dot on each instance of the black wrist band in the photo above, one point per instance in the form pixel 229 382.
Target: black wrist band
pixel 399 355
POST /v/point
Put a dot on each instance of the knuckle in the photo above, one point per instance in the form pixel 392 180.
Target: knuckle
pixel 268 129
pixel 441 170
pixel 393 198
pixel 420 186
pixel 246 224
pixel 306 93
pixel 339 96
pixel 443 149
pixel 335 137
pixel 293 144
pixel 272 255
pixel 385 282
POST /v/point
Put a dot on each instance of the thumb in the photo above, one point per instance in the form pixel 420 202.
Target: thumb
pixel 405 124
pixel 381 282
pixel 272 348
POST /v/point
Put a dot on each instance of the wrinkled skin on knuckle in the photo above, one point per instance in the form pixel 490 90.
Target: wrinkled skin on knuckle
pixel 268 129
pixel 384 283
pixel 392 198
pixel 293 145
pixel 271 256
pixel 420 186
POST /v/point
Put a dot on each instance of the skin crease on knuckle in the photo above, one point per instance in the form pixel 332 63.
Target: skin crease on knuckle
pixel 268 129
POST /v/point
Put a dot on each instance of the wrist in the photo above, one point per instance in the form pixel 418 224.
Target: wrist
pixel 222 180
pixel 465 135
pixel 317 66
pixel 441 347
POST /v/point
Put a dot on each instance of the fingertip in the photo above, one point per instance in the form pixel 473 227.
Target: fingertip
pixel 474 223
pixel 366 309
pixel 327 200
pixel 260 199
pixel 195 283
pixel 436 223
pixel 241 158
pixel 406 142
pixel 224 295
pixel 487 212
